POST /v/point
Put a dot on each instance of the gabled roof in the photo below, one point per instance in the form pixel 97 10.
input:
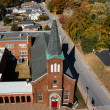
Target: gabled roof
pixel 38 56
pixel 33 26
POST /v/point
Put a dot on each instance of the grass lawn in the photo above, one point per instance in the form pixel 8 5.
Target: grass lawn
pixel 102 71
pixel 24 70
pixel 78 97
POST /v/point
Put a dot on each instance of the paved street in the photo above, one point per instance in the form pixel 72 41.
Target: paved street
pixel 86 79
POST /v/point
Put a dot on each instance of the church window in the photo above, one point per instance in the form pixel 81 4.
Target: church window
pixel 54 81
pixel 55 67
pixel 40 96
pixel 51 67
pixel 66 95
pixel 58 67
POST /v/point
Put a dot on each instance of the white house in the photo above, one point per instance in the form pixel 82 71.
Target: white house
pixel 22 10
pixel 34 15
pixel 15 10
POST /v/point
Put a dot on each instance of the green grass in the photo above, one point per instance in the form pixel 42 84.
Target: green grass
pixel 78 97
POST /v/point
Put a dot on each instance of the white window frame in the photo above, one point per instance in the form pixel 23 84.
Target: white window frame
pixel 21 52
pixel 67 95
pixel 58 69
pixel 40 95
pixel 22 45
pixel 51 67
pixel 9 45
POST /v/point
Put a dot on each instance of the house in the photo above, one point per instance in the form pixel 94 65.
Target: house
pixel 18 46
pixel 29 4
pixel 35 27
pixel 28 11
pixel 15 10
pixel 52 81
pixel 34 15
pixel 3 59
pixel 22 10
pixel 26 23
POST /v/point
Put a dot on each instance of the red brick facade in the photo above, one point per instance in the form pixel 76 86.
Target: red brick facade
pixel 54 91
pixel 16 49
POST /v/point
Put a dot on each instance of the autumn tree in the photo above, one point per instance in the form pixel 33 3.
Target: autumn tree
pixel 60 5
pixel 62 18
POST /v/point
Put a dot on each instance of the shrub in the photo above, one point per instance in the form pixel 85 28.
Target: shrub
pixel 14 27
pixel 6 20
pixel 42 17
pixel 46 27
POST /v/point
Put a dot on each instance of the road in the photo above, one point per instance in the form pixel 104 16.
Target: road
pixel 86 79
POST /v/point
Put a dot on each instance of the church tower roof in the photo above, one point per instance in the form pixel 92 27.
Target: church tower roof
pixel 54 46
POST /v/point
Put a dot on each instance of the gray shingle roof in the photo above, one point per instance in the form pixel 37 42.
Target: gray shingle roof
pixel 38 55
pixel 33 26
pixel 54 47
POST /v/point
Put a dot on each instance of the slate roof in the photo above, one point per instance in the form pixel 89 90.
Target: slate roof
pixel 38 56
pixel 47 43
pixel 54 46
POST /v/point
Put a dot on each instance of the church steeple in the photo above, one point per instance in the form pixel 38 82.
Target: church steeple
pixel 54 47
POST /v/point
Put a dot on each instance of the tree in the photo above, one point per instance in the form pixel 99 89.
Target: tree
pixel 2 9
pixel 89 39
pixel 62 18
pixel 46 27
pixel 14 27
pixel 42 17
pixel 60 5
pixel 49 6
pixel 6 20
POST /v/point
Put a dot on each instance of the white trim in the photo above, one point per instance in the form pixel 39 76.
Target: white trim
pixel 40 77
pixel 55 89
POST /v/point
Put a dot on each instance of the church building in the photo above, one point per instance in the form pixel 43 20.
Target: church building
pixel 49 82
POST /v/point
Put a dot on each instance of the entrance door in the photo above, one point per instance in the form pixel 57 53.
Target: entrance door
pixel 54 102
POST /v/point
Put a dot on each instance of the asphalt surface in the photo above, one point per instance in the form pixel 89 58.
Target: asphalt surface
pixel 83 74
pixel 104 57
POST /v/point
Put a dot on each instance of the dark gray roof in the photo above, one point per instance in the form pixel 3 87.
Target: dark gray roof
pixel 33 26
pixel 38 56
pixel 15 35
pixel 54 47
pixel 27 22
pixel 28 11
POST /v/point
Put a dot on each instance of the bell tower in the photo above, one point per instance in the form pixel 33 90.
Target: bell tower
pixel 55 58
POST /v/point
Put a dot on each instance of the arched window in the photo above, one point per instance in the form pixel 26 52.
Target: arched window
pixel 17 99
pixel 51 67
pixel 1 100
pixel 28 99
pixel 23 99
pixel 58 67
pixel 12 99
pixel 6 100
pixel 55 67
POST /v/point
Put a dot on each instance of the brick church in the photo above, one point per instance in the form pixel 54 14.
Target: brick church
pixel 50 84
pixel 52 80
